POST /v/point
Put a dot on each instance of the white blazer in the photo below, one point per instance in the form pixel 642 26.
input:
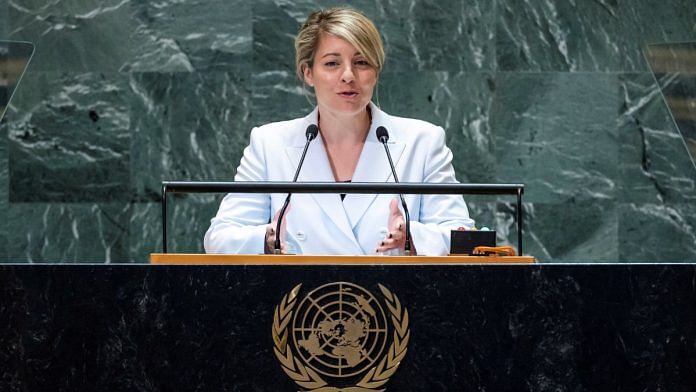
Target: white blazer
pixel 322 223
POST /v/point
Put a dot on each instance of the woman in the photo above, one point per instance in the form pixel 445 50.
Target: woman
pixel 339 54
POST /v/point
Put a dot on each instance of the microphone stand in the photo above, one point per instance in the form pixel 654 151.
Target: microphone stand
pixel 311 133
pixel 407 245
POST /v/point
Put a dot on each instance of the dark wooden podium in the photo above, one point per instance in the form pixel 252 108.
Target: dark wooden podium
pixel 344 323
pixel 183 324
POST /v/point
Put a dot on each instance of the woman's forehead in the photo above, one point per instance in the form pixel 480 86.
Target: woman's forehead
pixel 331 44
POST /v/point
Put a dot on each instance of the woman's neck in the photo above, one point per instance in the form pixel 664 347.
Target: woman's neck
pixel 341 130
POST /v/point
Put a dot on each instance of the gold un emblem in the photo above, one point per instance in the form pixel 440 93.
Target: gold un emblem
pixel 339 339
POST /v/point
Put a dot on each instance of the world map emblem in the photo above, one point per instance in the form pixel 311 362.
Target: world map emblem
pixel 340 337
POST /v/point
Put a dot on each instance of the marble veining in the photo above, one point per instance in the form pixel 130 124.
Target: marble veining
pixel 643 223
pixel 4 199
pixel 672 68
pixel 71 233
pixel 187 127
pixel 74 36
pixel 561 140
pixel 603 35
pixel 654 164
pixel 187 36
pixel 69 140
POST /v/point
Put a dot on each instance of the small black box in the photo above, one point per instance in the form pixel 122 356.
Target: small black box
pixel 463 242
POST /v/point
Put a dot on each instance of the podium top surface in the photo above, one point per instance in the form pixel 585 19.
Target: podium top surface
pixel 219 259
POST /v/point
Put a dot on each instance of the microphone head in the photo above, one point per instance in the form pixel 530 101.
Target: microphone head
pixel 311 131
pixel 382 134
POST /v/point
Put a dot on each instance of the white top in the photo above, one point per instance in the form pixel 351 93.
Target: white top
pixel 322 223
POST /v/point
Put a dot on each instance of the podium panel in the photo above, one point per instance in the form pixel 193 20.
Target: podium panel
pixel 457 327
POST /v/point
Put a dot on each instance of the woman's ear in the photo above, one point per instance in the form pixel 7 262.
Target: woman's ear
pixel 307 72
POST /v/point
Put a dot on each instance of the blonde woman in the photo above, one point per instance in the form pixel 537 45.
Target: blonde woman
pixel 339 54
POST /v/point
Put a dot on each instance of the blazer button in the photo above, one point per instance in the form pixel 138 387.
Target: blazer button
pixel 301 235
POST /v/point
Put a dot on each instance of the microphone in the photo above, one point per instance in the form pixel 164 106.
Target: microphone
pixel 310 134
pixel 383 137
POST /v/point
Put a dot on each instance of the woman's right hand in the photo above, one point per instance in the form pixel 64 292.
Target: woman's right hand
pixel 269 243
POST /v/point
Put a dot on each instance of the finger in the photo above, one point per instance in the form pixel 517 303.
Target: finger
pixel 277 213
pixel 394 207
pixel 388 244
pixel 396 236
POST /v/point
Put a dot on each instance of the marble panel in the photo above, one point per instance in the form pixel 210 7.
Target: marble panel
pixel 460 103
pixel 418 35
pixel 4 186
pixel 451 35
pixel 187 126
pixel 68 233
pixel 188 220
pixel 183 36
pixel 556 133
pixel 145 231
pixel 664 232
pixel 655 166
pixel 602 35
pixel 4 28
pixel 74 35
pixel 483 210
pixel 675 72
pixel 4 82
pixel 576 231
pixel 70 140
pixel 555 35
pixel 646 22
pixel 278 96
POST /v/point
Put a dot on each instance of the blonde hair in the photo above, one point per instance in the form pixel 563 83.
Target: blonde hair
pixel 346 23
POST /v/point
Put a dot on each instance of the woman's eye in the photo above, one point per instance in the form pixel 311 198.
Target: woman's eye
pixel 331 63
pixel 361 62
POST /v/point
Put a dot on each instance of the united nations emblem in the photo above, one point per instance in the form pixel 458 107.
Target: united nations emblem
pixel 338 338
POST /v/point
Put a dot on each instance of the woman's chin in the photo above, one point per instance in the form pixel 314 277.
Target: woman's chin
pixel 348 108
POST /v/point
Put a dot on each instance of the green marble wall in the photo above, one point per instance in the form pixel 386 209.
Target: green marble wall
pixel 122 94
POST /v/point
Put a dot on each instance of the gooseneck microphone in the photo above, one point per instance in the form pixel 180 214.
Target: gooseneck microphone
pixel 310 134
pixel 383 137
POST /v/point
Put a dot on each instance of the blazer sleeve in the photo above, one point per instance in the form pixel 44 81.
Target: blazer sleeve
pixel 240 224
pixel 438 213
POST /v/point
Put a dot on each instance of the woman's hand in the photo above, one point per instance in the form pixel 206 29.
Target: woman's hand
pixel 269 242
pixel 396 238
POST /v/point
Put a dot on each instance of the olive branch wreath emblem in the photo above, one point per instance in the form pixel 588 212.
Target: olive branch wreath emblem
pixel 310 380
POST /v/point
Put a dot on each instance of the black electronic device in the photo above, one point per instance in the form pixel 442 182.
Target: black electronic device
pixel 463 242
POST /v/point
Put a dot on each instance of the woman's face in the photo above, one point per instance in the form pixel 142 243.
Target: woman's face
pixel 343 80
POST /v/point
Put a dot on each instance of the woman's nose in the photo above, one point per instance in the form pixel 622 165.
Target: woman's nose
pixel 347 75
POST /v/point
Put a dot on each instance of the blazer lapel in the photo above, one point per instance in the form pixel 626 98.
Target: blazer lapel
pixel 316 168
pixel 373 166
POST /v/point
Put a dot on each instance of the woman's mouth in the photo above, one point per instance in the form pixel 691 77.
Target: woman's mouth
pixel 348 94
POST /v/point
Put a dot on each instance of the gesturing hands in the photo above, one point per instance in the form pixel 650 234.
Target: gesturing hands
pixel 396 237
pixel 269 243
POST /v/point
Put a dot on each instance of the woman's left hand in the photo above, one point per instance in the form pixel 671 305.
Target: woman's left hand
pixel 396 238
